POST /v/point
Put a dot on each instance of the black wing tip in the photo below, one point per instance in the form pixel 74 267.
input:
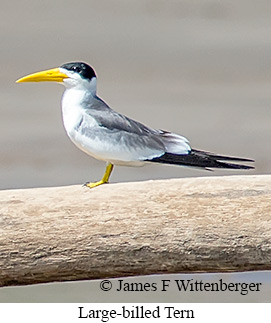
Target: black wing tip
pixel 222 157
pixel 203 159
pixel 236 166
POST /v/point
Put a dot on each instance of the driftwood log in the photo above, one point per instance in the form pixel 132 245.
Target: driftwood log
pixel 170 226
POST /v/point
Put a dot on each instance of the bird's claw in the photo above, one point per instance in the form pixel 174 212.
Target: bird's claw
pixel 94 184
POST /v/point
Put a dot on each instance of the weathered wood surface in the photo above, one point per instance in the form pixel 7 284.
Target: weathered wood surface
pixel 169 226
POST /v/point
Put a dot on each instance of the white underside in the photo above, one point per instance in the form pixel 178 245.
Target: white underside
pixel 99 151
pixel 111 148
pixel 105 150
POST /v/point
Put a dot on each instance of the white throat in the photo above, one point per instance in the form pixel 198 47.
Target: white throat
pixel 74 100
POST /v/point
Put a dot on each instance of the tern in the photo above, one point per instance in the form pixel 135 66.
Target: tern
pixel 114 138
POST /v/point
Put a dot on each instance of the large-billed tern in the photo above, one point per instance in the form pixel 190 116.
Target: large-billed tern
pixel 114 138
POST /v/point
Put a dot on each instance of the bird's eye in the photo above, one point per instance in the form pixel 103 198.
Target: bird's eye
pixel 75 69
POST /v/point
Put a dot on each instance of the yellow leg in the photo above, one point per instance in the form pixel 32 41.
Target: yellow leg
pixel 105 178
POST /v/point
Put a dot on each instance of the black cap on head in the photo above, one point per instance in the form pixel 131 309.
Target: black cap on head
pixel 83 69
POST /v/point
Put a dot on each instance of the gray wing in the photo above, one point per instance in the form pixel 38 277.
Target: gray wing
pixel 130 138
pixel 115 121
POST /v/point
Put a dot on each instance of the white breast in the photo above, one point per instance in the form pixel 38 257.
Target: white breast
pixel 96 141
pixel 72 110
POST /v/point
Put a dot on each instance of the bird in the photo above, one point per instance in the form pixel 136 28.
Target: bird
pixel 109 136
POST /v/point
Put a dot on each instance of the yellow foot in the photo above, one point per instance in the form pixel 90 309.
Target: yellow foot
pixel 95 184
pixel 105 178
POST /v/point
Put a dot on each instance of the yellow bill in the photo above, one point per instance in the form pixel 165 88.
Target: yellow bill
pixel 52 75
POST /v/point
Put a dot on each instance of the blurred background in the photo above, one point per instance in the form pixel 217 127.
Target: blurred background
pixel 201 68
